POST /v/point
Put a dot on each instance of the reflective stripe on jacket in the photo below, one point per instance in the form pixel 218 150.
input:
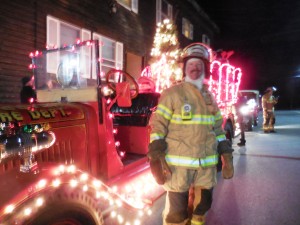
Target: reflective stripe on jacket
pixel 191 142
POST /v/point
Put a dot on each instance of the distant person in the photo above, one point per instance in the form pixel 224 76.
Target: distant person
pixel 268 102
pixel 27 94
pixel 242 102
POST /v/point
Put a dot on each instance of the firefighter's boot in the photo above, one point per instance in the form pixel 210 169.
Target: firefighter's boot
pixel 185 222
pixel 227 167
pixel 198 220
pixel 242 142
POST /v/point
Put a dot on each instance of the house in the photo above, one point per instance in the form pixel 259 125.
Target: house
pixel 125 28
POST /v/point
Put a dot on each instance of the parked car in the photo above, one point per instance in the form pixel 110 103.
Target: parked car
pixel 251 109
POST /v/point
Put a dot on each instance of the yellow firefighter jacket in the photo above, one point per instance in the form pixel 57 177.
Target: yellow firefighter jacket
pixel 268 102
pixel 191 123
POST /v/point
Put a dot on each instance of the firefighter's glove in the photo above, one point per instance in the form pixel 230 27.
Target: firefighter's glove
pixel 156 149
pixel 158 165
pixel 227 165
pixel 225 150
pixel 224 147
pixel 160 170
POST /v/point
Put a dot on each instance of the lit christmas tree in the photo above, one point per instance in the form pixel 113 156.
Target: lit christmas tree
pixel 165 52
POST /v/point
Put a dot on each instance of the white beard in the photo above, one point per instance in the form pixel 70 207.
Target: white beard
pixel 198 82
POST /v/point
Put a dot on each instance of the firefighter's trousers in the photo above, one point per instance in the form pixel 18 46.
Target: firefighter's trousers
pixel 186 208
pixel 269 121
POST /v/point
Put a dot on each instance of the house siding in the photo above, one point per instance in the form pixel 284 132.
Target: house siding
pixel 23 30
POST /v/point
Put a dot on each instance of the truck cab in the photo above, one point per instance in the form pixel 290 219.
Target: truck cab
pixel 78 154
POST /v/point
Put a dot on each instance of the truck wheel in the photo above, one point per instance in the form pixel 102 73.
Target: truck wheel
pixel 68 206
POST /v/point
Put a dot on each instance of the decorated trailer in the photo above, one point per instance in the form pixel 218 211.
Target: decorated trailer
pixel 224 83
pixel 78 154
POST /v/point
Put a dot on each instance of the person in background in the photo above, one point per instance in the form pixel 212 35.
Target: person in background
pixel 186 138
pixel 268 103
pixel 27 94
pixel 242 102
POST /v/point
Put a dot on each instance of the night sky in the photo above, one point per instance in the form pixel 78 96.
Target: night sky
pixel 265 36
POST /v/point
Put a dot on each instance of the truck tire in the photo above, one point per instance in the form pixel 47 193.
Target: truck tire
pixel 68 206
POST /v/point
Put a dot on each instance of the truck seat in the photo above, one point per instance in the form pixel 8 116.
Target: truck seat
pixel 139 113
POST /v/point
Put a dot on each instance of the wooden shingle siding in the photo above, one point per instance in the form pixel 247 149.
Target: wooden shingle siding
pixel 23 30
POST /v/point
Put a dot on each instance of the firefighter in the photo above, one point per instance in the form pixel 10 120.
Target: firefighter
pixel 27 94
pixel 268 102
pixel 186 138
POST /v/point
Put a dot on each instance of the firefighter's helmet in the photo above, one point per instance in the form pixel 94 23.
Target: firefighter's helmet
pixel 197 50
pixel 200 51
pixel 270 89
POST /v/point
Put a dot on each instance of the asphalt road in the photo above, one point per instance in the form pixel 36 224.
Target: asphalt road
pixel 265 187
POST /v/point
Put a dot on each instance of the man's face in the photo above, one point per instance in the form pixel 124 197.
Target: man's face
pixel 194 68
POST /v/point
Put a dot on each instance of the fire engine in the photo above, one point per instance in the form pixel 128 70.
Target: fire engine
pixel 78 154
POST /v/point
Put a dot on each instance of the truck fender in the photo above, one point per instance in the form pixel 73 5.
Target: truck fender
pixel 66 198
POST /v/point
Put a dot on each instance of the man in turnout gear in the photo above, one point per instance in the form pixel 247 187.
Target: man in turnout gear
pixel 186 138
pixel 268 102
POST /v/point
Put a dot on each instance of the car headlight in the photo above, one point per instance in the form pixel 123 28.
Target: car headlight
pixel 244 110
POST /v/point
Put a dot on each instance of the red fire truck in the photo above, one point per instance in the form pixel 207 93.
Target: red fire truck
pixel 78 154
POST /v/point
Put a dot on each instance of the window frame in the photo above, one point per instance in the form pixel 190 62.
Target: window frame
pixel 160 16
pixel 132 7
pixel 53 41
pixel 205 39
pixel 188 27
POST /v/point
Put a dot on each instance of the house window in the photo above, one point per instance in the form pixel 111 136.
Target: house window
pixel 60 33
pixel 111 54
pixel 205 39
pixel 187 28
pixel 164 11
pixel 129 4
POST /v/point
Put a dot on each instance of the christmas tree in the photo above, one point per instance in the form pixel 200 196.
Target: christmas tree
pixel 164 65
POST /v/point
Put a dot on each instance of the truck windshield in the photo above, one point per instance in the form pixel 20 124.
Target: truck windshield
pixel 73 66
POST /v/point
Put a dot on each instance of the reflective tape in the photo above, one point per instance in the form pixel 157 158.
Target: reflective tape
pixel 193 222
pixel 221 137
pixel 164 111
pixel 191 161
pixel 156 136
pixel 196 119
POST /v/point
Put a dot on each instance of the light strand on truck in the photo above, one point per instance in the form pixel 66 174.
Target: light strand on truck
pixel 130 195
pixel 224 82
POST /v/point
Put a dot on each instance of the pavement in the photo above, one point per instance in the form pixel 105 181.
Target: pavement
pixel 265 189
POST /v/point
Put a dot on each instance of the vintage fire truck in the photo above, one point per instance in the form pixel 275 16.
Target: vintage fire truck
pixel 78 154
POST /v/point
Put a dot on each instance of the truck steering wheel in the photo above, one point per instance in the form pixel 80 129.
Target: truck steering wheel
pixel 134 87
